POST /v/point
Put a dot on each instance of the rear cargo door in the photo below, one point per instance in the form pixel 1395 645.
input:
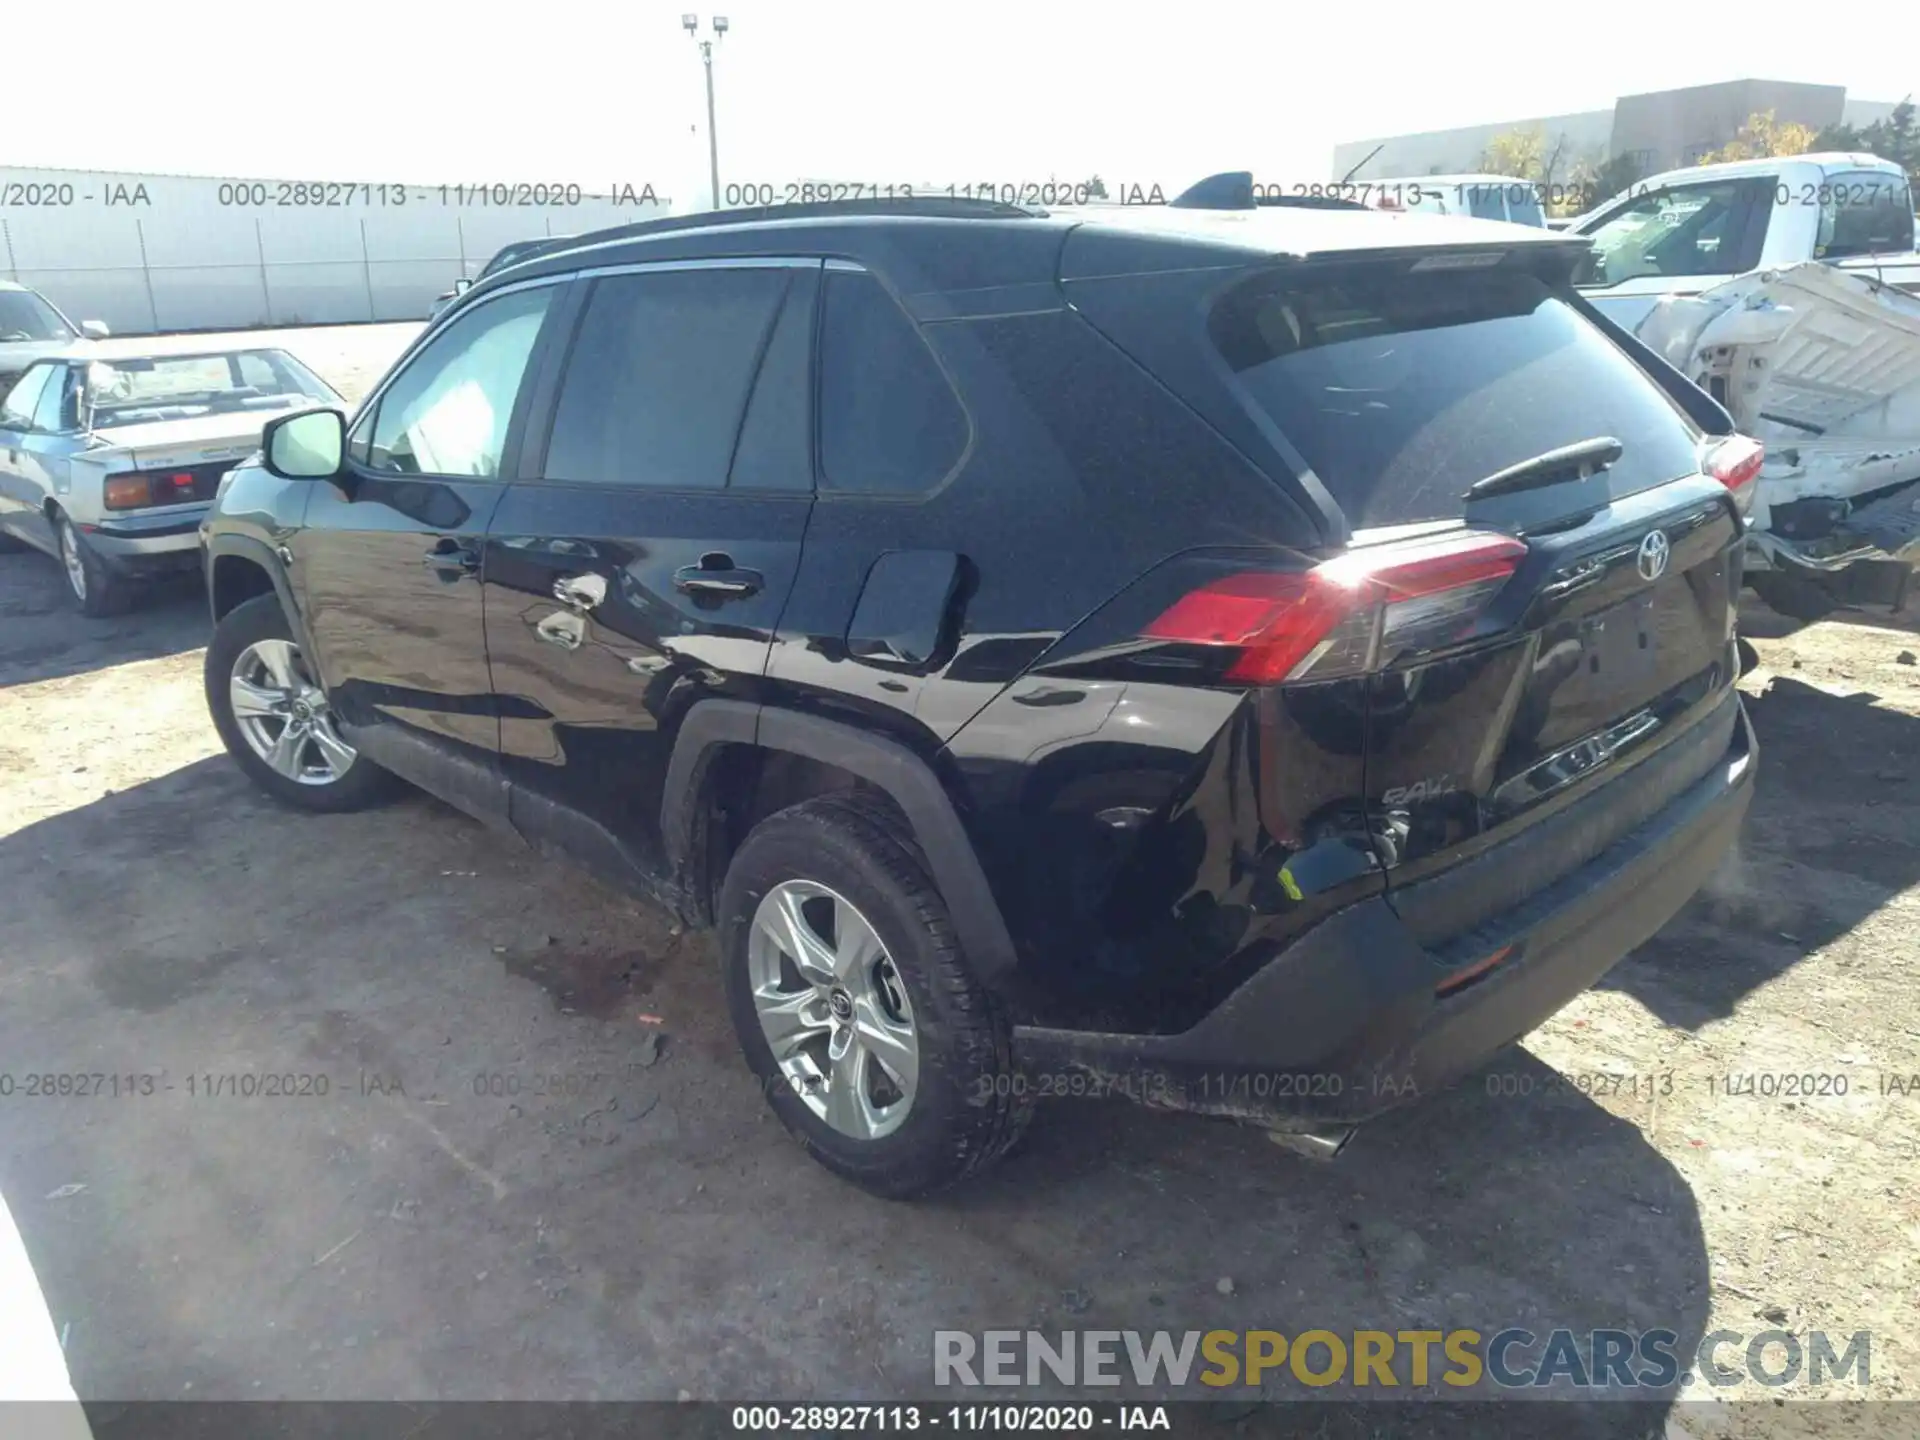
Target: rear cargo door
pixel 1403 388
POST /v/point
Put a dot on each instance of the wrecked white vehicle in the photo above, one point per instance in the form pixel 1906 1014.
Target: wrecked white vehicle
pixel 1823 366
pixel 1813 346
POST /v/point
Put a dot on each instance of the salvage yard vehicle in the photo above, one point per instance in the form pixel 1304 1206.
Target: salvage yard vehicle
pixel 32 328
pixel 108 459
pixel 1687 231
pixel 1790 291
pixel 1255 663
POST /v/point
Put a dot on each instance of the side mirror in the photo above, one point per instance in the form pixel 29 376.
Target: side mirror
pixel 462 285
pixel 94 329
pixel 307 446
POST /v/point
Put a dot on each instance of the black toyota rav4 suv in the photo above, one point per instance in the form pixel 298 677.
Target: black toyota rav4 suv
pixel 1258 663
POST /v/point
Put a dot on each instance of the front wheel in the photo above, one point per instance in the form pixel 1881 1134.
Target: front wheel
pixel 873 1041
pixel 275 719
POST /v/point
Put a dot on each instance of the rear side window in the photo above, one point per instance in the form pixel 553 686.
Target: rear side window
pixel 889 422
pixel 1400 390
pixel 1864 212
pixel 657 380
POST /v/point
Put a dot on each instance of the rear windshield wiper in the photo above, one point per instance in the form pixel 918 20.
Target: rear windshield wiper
pixel 1577 461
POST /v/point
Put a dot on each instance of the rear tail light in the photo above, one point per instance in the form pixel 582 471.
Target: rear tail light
pixel 1349 615
pixel 127 492
pixel 1735 463
pixel 137 489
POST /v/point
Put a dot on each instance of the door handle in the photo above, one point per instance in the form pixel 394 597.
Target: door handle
pixel 451 559
pixel 716 574
pixel 582 592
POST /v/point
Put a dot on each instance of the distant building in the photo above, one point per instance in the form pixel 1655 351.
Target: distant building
pixel 1664 129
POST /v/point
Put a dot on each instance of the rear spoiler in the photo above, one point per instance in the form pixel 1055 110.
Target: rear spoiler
pixel 1233 190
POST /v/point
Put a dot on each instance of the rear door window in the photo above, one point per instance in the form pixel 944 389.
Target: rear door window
pixel 656 383
pixel 1401 389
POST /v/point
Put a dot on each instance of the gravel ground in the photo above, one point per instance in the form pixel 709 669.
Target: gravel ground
pixel 623 1219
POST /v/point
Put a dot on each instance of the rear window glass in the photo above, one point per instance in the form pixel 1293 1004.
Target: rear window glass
pixel 180 387
pixel 1400 390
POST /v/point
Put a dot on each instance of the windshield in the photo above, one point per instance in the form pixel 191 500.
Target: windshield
pixel 182 387
pixel 1401 390
pixel 25 316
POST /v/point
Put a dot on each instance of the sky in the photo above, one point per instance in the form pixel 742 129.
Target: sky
pixel 907 93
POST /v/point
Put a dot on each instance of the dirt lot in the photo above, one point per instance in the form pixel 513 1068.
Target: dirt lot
pixel 623 1219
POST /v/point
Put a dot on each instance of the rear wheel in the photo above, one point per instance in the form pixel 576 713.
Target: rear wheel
pixel 94 588
pixel 873 1041
pixel 275 719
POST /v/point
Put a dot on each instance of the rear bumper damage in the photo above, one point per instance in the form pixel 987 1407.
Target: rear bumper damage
pixel 1823 365
pixel 1356 1017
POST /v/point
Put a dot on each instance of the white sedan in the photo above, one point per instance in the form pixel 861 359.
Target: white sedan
pixel 109 456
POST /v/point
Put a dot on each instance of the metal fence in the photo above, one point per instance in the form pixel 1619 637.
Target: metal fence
pixel 163 253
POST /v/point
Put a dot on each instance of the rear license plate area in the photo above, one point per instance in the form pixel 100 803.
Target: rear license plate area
pixel 1621 644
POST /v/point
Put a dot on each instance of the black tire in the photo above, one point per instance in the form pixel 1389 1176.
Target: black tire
pixel 97 591
pixel 1791 596
pixel 1749 657
pixel 967 1109
pixel 362 784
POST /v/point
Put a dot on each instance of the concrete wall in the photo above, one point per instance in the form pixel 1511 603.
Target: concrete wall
pixel 151 253
pixel 1670 127
pixel 1457 151
pixel 1676 127
pixel 1862 113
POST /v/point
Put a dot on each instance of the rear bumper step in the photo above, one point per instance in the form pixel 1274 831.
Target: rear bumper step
pixel 1346 1022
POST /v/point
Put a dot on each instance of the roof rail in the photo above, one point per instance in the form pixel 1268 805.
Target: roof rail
pixel 1233 190
pixel 919 206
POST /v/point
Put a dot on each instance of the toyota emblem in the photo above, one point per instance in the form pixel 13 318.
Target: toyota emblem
pixel 1653 555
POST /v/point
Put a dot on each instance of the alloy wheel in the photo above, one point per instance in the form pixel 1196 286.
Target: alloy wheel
pixel 70 557
pixel 833 1009
pixel 284 716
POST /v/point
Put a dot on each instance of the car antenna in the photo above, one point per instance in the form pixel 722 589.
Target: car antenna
pixel 1363 164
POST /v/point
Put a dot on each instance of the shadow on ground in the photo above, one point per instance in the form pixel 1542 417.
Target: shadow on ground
pixel 500 1195
pixel 1827 843
pixel 43 635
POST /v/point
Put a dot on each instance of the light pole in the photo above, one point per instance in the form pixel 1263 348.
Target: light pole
pixel 692 25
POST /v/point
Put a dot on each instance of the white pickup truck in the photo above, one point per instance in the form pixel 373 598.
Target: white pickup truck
pixel 1689 230
pixel 1789 290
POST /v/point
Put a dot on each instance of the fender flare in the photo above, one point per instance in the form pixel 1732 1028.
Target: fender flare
pixel 883 763
pixel 257 552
